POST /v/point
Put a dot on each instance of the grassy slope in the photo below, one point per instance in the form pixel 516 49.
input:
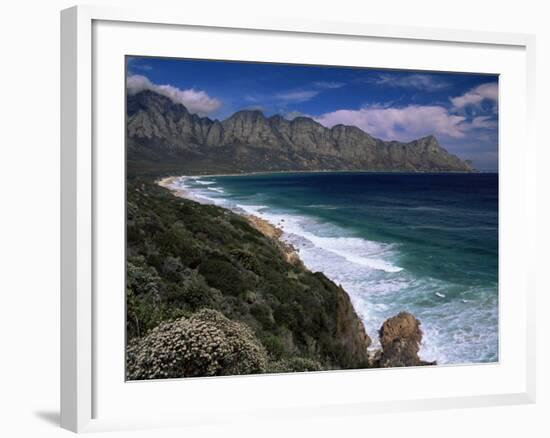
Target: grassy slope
pixel 184 256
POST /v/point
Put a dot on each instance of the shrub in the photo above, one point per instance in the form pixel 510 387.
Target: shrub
pixel 142 279
pixel 142 314
pixel 143 286
pixel 206 344
pixel 192 293
pixel 223 276
pixel 262 313
pixel 294 365
pixel 274 346
pixel 247 260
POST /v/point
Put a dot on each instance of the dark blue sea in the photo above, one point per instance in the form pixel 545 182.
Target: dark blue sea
pixel 426 243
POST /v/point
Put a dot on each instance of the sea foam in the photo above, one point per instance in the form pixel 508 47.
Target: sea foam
pixel 454 330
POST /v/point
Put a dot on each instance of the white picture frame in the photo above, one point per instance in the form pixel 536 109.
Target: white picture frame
pixel 83 371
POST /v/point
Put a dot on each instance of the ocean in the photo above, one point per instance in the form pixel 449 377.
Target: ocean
pixel 420 242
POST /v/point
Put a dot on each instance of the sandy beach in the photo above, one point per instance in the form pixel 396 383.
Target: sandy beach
pixel 167 184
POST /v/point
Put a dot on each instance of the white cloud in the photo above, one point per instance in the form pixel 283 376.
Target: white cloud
pixel 403 124
pixel 196 101
pixel 416 81
pixel 252 98
pixel 297 96
pixel 483 122
pixel 294 95
pixel 477 95
pixel 326 85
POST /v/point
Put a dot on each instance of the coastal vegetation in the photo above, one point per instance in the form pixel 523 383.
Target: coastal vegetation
pixel 209 294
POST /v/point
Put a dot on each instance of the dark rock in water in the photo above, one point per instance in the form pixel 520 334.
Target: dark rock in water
pixel 400 338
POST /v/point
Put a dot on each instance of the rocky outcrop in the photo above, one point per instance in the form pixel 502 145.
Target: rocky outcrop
pixel 400 338
pixel 162 132
pixel 350 332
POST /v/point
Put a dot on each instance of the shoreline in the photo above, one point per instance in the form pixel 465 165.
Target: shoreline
pixel 273 232
pixel 268 229
pixel 372 171
pixel 179 192
pixel 269 225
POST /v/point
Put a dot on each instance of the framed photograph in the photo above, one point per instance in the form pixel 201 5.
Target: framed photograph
pixel 281 219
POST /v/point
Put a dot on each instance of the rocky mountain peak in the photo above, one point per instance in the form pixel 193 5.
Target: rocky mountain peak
pixel 158 128
pixel 429 140
pixel 148 100
pixel 247 115
pixel 305 121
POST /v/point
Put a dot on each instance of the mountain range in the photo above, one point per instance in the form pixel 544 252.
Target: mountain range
pixel 165 136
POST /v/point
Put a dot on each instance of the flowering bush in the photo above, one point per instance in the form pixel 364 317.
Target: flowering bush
pixel 205 344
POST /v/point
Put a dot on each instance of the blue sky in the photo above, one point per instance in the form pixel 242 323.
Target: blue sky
pixel 461 110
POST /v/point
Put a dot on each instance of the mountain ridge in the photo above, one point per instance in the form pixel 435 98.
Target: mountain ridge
pixel 163 134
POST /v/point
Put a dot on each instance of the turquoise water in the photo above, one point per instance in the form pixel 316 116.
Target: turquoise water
pixel 426 243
